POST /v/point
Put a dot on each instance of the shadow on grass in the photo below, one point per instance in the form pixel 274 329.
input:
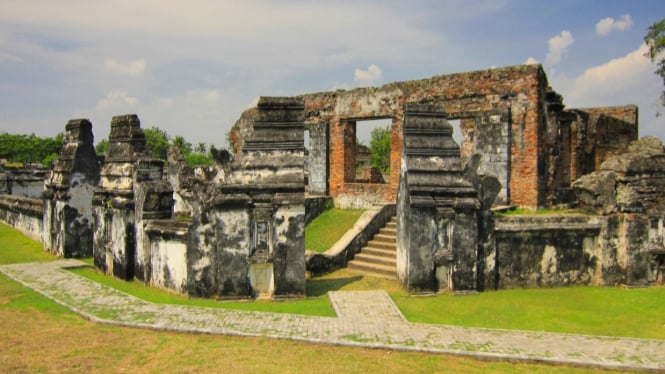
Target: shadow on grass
pixel 320 287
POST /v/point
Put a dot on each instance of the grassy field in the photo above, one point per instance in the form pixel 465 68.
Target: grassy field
pixel 31 323
pixel 37 335
pixel 328 227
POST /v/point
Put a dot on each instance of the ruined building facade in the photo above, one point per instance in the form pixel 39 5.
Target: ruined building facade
pixel 508 115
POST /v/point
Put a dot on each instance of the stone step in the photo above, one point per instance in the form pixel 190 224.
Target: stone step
pixel 375 260
pixel 388 231
pixel 382 252
pixel 382 271
pixel 379 257
pixel 384 238
pixel 383 245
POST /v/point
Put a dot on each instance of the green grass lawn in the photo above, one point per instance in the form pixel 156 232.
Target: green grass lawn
pixel 328 227
pixel 18 248
pixel 608 311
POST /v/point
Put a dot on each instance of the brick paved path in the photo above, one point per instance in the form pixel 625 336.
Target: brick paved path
pixel 365 318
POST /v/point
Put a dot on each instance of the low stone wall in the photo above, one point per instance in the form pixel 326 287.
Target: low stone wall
pixel 23 213
pixel 365 228
pixel 573 249
pixel 537 251
pixel 26 182
pixel 168 242
pixel 315 206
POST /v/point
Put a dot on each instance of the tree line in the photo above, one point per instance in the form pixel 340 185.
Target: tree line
pixel 158 142
pixel 30 149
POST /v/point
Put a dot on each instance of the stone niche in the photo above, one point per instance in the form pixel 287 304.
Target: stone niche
pixel 68 213
pixel 131 189
pixel 441 228
pixel 252 237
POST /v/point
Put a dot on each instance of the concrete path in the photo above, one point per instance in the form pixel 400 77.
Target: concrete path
pixel 365 318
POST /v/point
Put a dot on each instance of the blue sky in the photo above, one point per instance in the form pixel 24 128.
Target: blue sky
pixel 191 67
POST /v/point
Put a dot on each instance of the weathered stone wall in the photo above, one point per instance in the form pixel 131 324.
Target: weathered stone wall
pixel 546 251
pixel 439 206
pixel 564 250
pixel 633 182
pixel 248 221
pixel 317 159
pixel 24 214
pixel 26 181
pixel 130 190
pixel 169 242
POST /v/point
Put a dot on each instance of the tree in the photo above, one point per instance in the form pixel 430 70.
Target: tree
pixel 379 147
pixel 157 142
pixel 101 147
pixel 198 159
pixel 183 145
pixel 655 40
pixel 28 148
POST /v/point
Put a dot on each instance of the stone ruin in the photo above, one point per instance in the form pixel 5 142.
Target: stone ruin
pixel 245 235
pixel 236 230
pixel 442 207
pixel 68 192
pixel 629 192
pixel 510 116
pixel 131 191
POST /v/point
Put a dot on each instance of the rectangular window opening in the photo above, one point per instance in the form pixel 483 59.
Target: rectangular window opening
pixel 373 147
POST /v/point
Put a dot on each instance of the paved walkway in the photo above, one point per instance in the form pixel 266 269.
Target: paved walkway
pixel 364 318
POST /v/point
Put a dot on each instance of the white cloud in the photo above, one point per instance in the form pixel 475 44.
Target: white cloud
pixel 616 73
pixel 531 61
pixel 373 75
pixel 116 99
pixel 606 25
pixel 629 79
pixel 557 46
pixel 234 31
pixel 134 68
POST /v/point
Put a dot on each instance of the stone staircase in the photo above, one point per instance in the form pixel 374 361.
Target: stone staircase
pixel 379 257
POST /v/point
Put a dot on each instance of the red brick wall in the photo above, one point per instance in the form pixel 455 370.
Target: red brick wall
pixel 464 95
pixel 600 133
pixel 535 171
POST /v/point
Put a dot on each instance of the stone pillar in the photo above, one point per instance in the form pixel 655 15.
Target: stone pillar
pixel 68 213
pixel 492 144
pixel 318 158
pixel 114 201
pixel 437 207
pixel 263 202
